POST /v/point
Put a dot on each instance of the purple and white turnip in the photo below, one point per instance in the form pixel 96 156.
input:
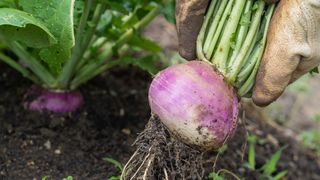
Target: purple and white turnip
pixel 195 103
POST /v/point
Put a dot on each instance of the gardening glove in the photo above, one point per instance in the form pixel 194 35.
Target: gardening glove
pixel 189 17
pixel 293 48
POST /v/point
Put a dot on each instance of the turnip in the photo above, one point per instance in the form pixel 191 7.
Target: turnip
pixel 195 105
pixel 39 99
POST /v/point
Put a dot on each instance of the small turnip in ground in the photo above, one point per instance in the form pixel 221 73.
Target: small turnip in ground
pixel 39 99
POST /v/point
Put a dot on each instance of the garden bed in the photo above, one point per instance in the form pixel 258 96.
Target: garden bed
pixel 34 145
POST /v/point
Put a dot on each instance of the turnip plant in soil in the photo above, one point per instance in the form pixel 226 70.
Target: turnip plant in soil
pixel 81 140
pixel 198 101
pixel 59 45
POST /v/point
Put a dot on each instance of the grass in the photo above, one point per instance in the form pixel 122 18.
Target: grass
pixel 269 169
pixel 66 178
pixel 311 138
pixel 116 164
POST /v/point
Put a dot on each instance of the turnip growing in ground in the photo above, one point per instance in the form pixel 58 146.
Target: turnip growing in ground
pixel 60 45
pixel 195 105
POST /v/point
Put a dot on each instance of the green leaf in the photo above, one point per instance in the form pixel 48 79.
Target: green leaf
pixel 68 178
pixel 118 6
pixel 233 40
pixel 255 6
pixel 280 175
pixel 271 165
pixel 215 176
pixel 168 10
pixel 148 63
pixel 114 178
pixel 16 25
pixel 316 117
pixel 8 3
pixel 144 43
pixel 245 19
pixel 104 22
pixel 251 154
pixel 116 163
pixel 78 10
pixel 223 149
pixel 315 70
pixel 58 17
pixel 310 139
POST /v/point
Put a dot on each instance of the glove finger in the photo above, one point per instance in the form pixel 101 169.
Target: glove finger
pixel 285 47
pixel 189 16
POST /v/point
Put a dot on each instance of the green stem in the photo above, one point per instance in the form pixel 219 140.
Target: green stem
pixel 248 67
pixel 221 56
pixel 83 21
pixel 68 68
pixel 249 60
pixel 215 16
pixel 97 43
pixel 212 45
pixel 200 39
pixel 90 32
pixel 88 71
pixel 238 62
pixel 35 66
pixel 245 88
pixel 91 73
pixel 243 30
pixel 89 38
pixel 255 53
pixel 19 68
pixel 100 69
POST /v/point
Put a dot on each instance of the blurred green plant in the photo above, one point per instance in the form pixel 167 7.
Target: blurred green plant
pixel 220 175
pixel 301 85
pixel 169 10
pixel 269 169
pixel 311 138
pixel 316 118
pixel 68 178
pixel 116 164
pixel 223 149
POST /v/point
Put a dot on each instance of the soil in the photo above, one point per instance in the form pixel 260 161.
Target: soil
pixel 38 144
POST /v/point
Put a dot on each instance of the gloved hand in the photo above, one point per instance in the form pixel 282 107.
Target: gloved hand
pixel 293 45
pixel 293 48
